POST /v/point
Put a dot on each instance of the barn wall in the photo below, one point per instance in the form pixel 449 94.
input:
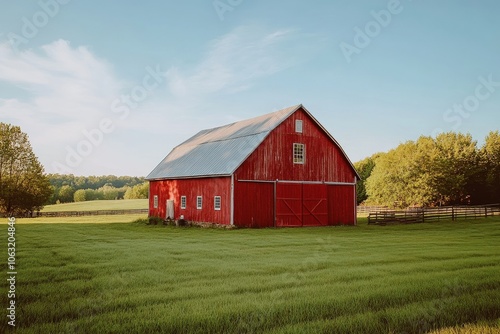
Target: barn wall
pixel 341 205
pixel 191 188
pixel 253 204
pixel 273 159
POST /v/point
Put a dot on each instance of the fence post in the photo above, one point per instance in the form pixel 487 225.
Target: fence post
pixel 485 212
pixel 453 213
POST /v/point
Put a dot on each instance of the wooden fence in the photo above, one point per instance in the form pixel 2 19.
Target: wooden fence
pixel 421 215
pixel 88 213
pixel 363 209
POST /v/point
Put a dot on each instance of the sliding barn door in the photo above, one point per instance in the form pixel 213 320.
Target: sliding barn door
pixel 301 204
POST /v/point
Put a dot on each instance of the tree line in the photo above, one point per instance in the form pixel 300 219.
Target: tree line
pixel 448 169
pixel 71 188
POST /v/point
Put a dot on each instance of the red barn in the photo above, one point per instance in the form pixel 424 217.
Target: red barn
pixel 279 169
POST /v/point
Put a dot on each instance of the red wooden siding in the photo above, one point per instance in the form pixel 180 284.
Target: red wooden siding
pixel 254 204
pixel 208 188
pixel 341 205
pixel 273 159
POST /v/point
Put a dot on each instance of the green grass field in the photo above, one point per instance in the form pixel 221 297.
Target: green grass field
pixel 124 204
pixel 134 278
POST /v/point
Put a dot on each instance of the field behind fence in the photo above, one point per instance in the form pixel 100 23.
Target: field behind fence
pixel 421 215
pixel 90 208
pixel 86 213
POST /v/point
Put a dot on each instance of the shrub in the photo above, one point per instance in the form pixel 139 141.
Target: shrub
pixel 141 221
pixel 155 220
pixel 182 222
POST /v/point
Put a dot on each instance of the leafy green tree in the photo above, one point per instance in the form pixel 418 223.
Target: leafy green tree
pixel 91 195
pixel 121 192
pixel 128 193
pixel 66 194
pixel 53 196
pixel 364 168
pixel 490 154
pixel 23 184
pixel 400 177
pixel 109 192
pixel 455 166
pixel 79 195
pixel 138 191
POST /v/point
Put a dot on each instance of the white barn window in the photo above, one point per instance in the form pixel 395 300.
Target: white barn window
pixel 199 202
pixel 183 202
pixel 155 201
pixel 217 203
pixel 298 126
pixel 299 153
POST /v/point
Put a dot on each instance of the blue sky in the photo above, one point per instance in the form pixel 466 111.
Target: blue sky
pixel 110 87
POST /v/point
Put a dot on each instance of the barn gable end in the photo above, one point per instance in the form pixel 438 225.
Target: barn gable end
pixel 325 161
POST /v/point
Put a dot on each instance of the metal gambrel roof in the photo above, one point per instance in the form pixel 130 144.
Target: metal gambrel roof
pixel 221 150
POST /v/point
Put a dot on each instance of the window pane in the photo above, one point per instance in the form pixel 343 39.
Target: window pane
pixel 298 126
pixel 298 153
pixel 217 202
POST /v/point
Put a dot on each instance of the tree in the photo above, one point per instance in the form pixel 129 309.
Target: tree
pixel 400 177
pixel 66 194
pixel 79 195
pixel 23 185
pixel 490 156
pixel 138 191
pixel 455 166
pixel 91 195
pixel 364 168
pixel 109 192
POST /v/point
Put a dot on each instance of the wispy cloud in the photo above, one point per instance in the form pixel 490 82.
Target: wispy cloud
pixel 66 87
pixel 236 60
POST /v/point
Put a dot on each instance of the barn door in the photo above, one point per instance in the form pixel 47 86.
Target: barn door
pixel 288 204
pixel 170 209
pixel 315 205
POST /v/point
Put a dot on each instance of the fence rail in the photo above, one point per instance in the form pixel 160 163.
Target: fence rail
pixel 363 209
pixel 420 215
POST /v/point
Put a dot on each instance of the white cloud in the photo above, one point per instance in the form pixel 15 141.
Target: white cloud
pixel 64 90
pixel 67 84
pixel 234 61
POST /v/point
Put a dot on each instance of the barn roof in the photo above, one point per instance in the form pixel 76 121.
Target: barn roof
pixel 220 151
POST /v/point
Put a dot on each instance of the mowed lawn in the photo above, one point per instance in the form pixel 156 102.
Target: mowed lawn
pixel 134 278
